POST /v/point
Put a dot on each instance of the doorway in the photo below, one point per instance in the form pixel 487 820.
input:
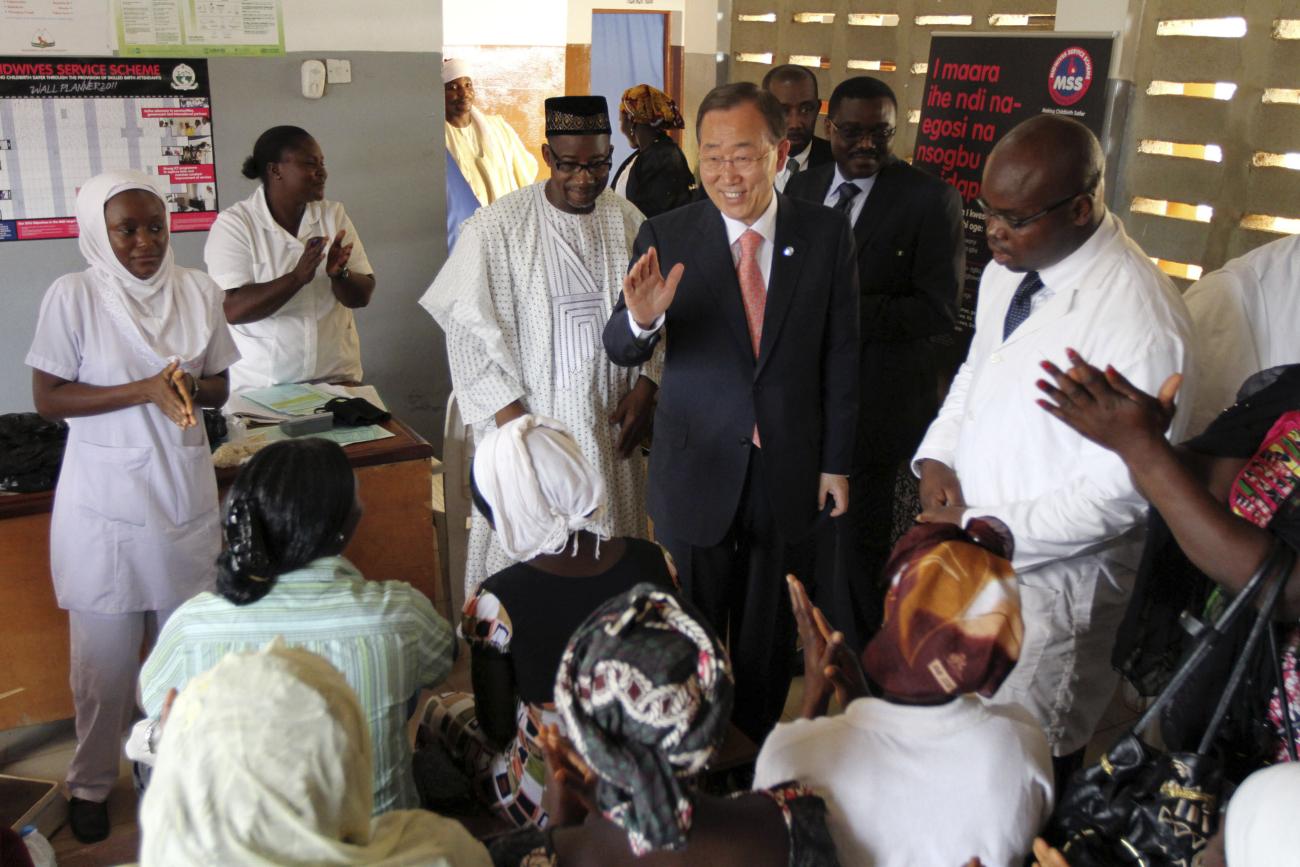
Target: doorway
pixel 627 48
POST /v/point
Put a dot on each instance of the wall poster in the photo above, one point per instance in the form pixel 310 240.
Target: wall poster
pixel 979 86
pixel 159 28
pixel 65 120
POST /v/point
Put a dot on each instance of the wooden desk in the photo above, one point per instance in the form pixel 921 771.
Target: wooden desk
pixel 395 540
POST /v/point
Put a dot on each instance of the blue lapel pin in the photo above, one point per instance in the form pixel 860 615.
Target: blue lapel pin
pixel 788 251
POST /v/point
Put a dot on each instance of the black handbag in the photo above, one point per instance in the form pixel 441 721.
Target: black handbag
pixel 1143 807
pixel 354 411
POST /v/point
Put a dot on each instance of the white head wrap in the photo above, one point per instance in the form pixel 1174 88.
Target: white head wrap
pixel 454 69
pixel 265 760
pixel 1262 828
pixel 539 486
pixel 168 310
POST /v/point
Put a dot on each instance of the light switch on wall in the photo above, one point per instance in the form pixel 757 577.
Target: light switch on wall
pixel 338 71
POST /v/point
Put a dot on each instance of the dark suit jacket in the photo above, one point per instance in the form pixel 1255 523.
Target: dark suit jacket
pixel 820 154
pixel 802 389
pixel 910 253
pixel 661 179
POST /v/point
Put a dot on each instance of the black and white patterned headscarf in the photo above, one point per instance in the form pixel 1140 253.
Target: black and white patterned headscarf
pixel 645 689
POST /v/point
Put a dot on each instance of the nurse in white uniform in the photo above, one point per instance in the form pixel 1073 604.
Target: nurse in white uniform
pixel 126 351
pixel 293 269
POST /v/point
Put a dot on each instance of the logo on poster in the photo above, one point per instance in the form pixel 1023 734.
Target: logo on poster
pixel 183 77
pixel 1070 76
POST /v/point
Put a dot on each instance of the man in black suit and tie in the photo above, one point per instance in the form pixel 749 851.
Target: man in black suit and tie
pixel 907 232
pixel 795 87
pixel 754 427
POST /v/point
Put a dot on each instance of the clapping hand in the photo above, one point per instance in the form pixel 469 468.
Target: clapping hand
pixel 1046 856
pixel 570 792
pixel 829 665
pixel 339 255
pixel 312 253
pixel 646 292
pixel 1106 408
pixel 161 390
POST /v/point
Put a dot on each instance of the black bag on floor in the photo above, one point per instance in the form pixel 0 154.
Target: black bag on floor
pixel 31 452
pixel 1143 807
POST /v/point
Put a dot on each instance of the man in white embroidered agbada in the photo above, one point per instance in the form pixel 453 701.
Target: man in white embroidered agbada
pixel 524 299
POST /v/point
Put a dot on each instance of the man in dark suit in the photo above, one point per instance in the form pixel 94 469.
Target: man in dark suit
pixel 754 428
pixel 907 232
pixel 795 87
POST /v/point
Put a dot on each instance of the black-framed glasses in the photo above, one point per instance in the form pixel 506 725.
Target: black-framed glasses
pixel 1015 224
pixel 593 168
pixel 881 133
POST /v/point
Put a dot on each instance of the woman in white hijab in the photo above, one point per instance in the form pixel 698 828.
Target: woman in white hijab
pixel 126 351
pixel 1262 830
pixel 265 760
pixel 544 502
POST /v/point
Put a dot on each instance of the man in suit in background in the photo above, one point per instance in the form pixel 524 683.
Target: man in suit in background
pixel 795 87
pixel 754 428
pixel 907 232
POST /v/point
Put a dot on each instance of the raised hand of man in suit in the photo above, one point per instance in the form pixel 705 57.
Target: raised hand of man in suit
pixel 647 292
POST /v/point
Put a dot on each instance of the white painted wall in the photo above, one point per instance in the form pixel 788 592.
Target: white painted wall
pixel 373 25
pixel 504 22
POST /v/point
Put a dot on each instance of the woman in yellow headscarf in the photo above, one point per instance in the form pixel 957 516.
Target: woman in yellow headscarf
pixel 656 177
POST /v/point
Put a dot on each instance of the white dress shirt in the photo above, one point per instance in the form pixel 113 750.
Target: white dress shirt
pixel 1070 504
pixel 860 200
pixel 312 337
pixel 1247 318
pixel 794 163
pixel 765 225
pixel 909 785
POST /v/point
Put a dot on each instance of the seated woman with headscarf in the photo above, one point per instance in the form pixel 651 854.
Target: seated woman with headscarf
pixel 1221 501
pixel 124 351
pixel 543 499
pixel 645 691
pixel 929 754
pixel 289 515
pixel 656 177
pixel 265 759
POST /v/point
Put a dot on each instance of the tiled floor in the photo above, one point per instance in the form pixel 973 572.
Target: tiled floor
pixel 44 752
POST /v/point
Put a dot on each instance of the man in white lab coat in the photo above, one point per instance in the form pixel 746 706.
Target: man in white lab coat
pixel 1064 276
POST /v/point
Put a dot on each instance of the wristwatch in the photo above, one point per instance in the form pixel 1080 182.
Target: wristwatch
pixel 194 387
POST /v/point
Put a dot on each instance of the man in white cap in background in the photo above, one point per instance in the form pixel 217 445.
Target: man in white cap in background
pixel 490 155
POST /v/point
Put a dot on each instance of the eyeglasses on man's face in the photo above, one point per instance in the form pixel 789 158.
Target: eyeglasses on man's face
pixel 1015 224
pixel 593 168
pixel 851 133
pixel 743 163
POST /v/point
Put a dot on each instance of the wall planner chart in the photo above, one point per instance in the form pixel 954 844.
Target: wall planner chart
pixel 65 120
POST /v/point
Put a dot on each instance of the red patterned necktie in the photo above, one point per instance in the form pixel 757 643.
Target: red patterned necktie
pixel 753 292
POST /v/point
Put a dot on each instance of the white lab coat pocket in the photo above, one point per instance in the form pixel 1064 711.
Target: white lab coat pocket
pixel 114 481
pixel 1039 609
pixel 191 488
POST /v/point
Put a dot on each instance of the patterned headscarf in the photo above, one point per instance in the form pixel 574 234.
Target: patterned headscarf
pixel 952 615
pixel 645 690
pixel 651 106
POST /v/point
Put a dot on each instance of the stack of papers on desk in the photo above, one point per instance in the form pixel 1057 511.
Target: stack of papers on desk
pixel 344 436
pixel 283 402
